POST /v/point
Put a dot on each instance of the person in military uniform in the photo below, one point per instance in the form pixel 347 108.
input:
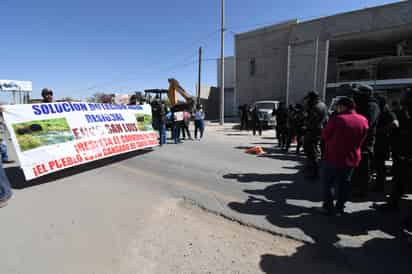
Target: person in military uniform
pixel 387 122
pixel 366 105
pixel 299 121
pixel 402 157
pixel 281 114
pixel 316 118
pixel 291 127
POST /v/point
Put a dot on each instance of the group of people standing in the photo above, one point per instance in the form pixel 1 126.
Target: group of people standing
pixel 347 147
pixel 178 121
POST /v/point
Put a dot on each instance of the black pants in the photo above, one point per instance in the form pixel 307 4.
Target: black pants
pixel 282 136
pixel 311 146
pixel 299 139
pixel 291 135
pixel 257 126
pixel 402 169
pixel 244 123
pixel 362 175
pixel 380 167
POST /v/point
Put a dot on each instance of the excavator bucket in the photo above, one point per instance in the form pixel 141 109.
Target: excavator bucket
pixel 174 87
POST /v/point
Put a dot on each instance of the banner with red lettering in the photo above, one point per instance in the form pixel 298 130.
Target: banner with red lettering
pixel 51 137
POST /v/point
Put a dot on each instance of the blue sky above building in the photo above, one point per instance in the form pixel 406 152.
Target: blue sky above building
pixel 78 47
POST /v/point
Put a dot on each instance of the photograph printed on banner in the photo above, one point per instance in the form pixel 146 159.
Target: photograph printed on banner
pixel 34 134
pixel 144 122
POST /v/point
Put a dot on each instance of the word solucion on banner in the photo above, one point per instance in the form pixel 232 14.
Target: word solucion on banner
pixel 55 136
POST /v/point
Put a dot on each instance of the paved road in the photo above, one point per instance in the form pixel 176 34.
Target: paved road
pixel 266 192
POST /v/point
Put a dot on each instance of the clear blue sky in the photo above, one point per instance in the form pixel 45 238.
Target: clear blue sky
pixel 80 47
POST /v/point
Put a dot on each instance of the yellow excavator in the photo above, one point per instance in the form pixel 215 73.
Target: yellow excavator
pixel 174 87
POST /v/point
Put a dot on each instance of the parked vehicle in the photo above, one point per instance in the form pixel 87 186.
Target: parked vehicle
pixel 265 112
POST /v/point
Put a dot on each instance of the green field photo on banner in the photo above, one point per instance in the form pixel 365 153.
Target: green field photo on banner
pixel 35 134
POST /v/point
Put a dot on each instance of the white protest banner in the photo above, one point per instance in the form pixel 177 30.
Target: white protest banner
pixel 51 137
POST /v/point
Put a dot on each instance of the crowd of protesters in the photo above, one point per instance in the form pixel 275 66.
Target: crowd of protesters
pixel 178 121
pixel 349 145
pixel 166 118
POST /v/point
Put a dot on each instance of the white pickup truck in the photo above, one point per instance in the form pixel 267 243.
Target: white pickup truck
pixel 265 112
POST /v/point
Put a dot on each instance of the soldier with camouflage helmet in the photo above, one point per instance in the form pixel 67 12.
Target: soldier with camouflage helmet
pixel 316 118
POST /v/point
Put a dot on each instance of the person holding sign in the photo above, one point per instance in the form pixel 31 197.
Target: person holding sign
pixel 5 188
pixel 47 95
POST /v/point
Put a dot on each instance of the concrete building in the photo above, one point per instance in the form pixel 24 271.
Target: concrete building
pixel 230 84
pixel 285 61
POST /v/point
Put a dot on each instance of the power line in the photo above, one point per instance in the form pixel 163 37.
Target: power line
pixel 152 67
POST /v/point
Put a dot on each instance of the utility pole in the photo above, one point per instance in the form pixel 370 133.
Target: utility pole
pixel 326 65
pixel 316 65
pixel 222 65
pixel 288 65
pixel 199 80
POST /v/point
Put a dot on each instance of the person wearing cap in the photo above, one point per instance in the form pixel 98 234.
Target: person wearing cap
pixel 47 95
pixel 316 118
pixel 343 137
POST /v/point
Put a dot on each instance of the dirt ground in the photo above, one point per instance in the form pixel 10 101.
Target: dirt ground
pixel 181 238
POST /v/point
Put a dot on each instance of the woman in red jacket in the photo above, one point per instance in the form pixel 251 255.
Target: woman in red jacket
pixel 343 137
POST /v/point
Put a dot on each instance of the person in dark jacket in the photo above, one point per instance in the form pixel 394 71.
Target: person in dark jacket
pixel 367 106
pixel 316 118
pixel 162 124
pixel 402 156
pixel 343 137
pixel 406 160
pixel 256 121
pixel 155 104
pixel 291 127
pixel 387 122
pixel 281 114
pixel 243 112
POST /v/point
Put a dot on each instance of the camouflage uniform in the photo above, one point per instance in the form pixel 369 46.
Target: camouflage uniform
pixel 316 118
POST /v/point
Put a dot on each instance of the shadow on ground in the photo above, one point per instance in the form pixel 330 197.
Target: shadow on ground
pixel 18 181
pixel 364 241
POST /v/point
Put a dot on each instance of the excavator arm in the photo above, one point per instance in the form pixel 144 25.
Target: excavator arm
pixel 174 87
